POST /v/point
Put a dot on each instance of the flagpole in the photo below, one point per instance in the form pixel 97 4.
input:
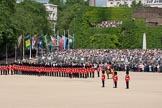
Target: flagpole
pixel 68 39
pixel 42 46
pixel 37 48
pixel 64 46
pixel 30 48
pixel 15 53
pixel 73 41
pixel 57 41
pixel 6 55
pixel 23 45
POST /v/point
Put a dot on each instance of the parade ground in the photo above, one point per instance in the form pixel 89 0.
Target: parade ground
pixel 20 91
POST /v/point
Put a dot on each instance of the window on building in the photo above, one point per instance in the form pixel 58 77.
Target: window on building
pixel 156 1
pixel 118 3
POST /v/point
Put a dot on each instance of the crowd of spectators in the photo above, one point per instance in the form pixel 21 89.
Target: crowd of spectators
pixel 135 59
pixel 109 24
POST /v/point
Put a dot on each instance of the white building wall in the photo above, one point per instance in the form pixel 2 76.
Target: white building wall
pixel 151 3
pixel 52 12
pixel 154 3
pixel 19 1
pixel 116 3
pixel 91 2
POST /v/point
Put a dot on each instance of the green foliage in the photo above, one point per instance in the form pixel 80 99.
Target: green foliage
pixel 88 36
pixel 105 40
pixel 136 4
pixel 7 30
pixel 129 35
pixel 31 18
pixel 98 14
pixel 154 35
pixel 28 17
pixel 56 2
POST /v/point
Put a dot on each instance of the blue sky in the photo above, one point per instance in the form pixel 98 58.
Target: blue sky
pixel 42 1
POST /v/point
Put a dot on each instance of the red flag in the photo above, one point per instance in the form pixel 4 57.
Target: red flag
pixel 61 44
pixel 34 39
pixel 19 41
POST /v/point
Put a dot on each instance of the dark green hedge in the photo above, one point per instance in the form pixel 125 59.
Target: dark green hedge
pixel 129 35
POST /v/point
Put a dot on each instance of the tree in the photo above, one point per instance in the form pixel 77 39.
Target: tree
pixel 31 18
pixel 135 4
pixel 56 2
pixel 7 8
pixel 28 17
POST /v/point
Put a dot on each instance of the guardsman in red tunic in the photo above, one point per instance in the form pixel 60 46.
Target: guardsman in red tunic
pixel 1 69
pixel 127 78
pixel 109 67
pixel 92 70
pixel 11 69
pixel 8 69
pixel 39 71
pixel 98 71
pixel 103 78
pixel 70 72
pixel 115 78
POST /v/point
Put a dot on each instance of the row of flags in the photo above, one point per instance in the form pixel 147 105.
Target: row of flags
pixel 44 41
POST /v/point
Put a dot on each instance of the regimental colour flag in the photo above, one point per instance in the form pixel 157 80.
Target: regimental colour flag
pixel 19 41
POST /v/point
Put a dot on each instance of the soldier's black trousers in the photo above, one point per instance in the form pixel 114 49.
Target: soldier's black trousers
pixel 115 83
pixel 127 85
pixel 103 83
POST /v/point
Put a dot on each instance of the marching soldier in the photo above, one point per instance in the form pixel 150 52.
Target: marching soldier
pixel 0 69
pixel 115 78
pixel 103 78
pixel 127 78
pixel 98 71
pixel 109 69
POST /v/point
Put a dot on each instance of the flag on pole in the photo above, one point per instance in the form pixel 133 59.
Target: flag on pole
pixel 71 42
pixel 65 42
pixel 45 43
pixel 54 40
pixel 40 41
pixel 61 43
pixel 27 42
pixel 19 41
pixel 34 39
pixel 58 40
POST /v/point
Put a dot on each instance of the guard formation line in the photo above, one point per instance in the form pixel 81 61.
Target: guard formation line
pixel 77 71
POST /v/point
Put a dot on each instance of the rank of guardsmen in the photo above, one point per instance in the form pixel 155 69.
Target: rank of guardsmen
pixel 47 69
pixel 63 70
